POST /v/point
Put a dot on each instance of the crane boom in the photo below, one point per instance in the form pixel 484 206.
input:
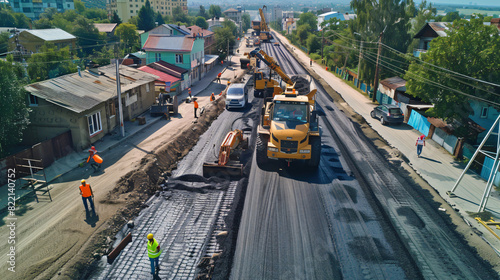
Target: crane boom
pixel 263 23
pixel 269 61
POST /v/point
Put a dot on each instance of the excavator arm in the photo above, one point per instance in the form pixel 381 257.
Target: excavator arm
pixel 223 167
pixel 231 141
pixel 269 61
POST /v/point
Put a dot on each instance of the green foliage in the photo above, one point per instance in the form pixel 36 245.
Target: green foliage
pixel 450 17
pixel 315 56
pixel 79 6
pixel 159 19
pixel 246 21
pixel 22 21
pixel 60 21
pixel 201 22
pixel 116 18
pixel 424 13
pixel 95 14
pixel 214 11
pixel 88 36
pixel 222 37
pixel 302 33
pixel 134 20
pixel 313 43
pixel 49 13
pixel 42 23
pixel 179 16
pixel 128 34
pixel 471 48
pixel 104 56
pixel 203 12
pixel 4 41
pixel 13 111
pixel 50 63
pixel 146 18
pixel 309 20
pixel 229 24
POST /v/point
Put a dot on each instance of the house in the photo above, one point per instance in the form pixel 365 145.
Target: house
pixel 338 15
pixel 207 35
pixel 85 103
pixel 183 51
pixel 30 41
pixel 289 25
pixel 427 33
pixel 108 28
pixel 167 73
pixel 138 58
pixel 166 29
pixel 233 14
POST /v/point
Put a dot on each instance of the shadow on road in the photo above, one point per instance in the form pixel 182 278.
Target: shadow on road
pixel 429 159
pixel 91 218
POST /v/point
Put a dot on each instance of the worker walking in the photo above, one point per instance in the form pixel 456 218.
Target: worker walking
pixel 153 253
pixel 195 103
pixel 420 144
pixel 218 77
pixel 212 97
pixel 87 195
pixel 94 159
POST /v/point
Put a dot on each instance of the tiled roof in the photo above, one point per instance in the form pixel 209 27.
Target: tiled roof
pixel 168 68
pixel 53 34
pixel 230 10
pixel 105 27
pixel 81 93
pixel 162 76
pixel 198 30
pixel 158 42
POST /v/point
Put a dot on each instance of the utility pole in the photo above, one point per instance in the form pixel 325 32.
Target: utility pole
pixel 322 42
pixel 359 62
pixel 229 62
pixel 119 93
pixel 375 88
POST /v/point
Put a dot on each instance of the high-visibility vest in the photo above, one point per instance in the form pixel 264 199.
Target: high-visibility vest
pixel 195 104
pixel 212 97
pixel 152 249
pixel 86 192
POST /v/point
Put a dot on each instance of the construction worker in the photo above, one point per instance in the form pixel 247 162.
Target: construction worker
pixel 218 77
pixel 228 83
pixel 189 92
pixel 153 253
pixel 96 165
pixel 212 97
pixel 311 62
pixel 195 108
pixel 87 194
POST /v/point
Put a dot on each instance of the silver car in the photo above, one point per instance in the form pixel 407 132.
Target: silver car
pixel 237 96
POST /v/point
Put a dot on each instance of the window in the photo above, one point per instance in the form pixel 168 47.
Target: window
pixel 95 123
pixel 178 58
pixel 484 112
pixel 157 56
pixel 131 11
pixel 131 6
pixel 33 100
pixel 137 6
pixel 147 87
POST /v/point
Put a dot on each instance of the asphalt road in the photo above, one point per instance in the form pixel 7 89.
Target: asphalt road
pixel 356 217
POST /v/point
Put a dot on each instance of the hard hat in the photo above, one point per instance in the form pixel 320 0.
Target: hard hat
pixel 83 181
pixel 150 236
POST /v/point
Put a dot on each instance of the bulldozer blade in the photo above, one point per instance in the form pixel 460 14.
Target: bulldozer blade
pixel 233 171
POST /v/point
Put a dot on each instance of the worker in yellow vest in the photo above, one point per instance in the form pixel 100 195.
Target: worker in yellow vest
pixel 87 194
pixel 153 253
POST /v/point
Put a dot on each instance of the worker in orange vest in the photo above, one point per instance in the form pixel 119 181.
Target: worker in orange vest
pixel 195 108
pixel 87 194
pixel 96 165
pixel 212 97
pixel 218 77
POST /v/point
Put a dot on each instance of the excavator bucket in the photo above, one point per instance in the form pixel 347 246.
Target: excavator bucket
pixel 230 170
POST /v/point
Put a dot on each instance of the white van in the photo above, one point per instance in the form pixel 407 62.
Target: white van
pixel 237 96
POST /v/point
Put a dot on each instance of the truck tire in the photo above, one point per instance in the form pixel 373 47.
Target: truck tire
pixel 261 151
pixel 315 152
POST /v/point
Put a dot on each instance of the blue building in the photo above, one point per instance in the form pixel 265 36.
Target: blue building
pixel 33 8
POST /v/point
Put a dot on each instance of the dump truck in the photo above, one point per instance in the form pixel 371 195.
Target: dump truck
pixel 289 130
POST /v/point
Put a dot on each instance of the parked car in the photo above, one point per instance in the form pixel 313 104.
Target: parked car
pixel 388 114
pixel 237 96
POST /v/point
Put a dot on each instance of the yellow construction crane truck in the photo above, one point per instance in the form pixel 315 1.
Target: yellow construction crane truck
pixel 289 130
pixel 265 32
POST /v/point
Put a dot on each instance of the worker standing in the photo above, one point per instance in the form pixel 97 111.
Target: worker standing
pixel 153 253
pixel 212 97
pixel 87 194
pixel 218 77
pixel 195 103
pixel 311 62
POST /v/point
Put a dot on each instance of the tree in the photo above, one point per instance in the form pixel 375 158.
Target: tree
pixel 470 48
pixel 203 12
pixel 424 13
pixel 127 33
pixel 159 19
pixel 451 17
pixel 180 17
pixel 79 6
pixel 375 16
pixel 88 36
pixel 4 41
pixel 116 18
pixel 22 21
pixel 229 24
pixel 60 21
pixel 302 33
pixel 13 110
pixel 201 22
pixel 214 11
pixel 95 14
pixel 222 37
pixel 42 23
pixel 309 20
pixel 7 18
pixel 247 23
pixel 313 43
pixel 50 62
pixel 145 18
pixel 49 13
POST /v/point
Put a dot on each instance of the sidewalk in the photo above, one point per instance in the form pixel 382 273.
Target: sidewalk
pixel 436 165
pixel 71 162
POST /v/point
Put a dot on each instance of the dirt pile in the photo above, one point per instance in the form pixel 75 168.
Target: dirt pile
pixel 302 85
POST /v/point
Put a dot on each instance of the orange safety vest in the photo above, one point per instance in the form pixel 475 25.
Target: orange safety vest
pixel 86 192
pixel 195 104
pixel 220 74
pixel 212 97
